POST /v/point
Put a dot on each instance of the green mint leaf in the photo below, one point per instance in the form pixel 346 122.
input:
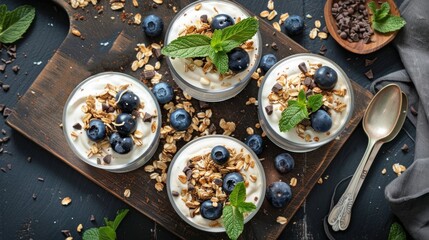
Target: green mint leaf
pixel 315 102
pixel 228 45
pixel 382 12
pixel 195 45
pixel 119 217
pixel 292 102
pixel 241 31
pixel 15 23
pixel 3 12
pixel 219 59
pixel 233 221
pixel 238 195
pixel 108 223
pixel 389 24
pixel 106 233
pixel 216 41
pixel 291 116
pixel 246 207
pixel 397 232
pixel 372 7
pixel 91 234
pixel 301 96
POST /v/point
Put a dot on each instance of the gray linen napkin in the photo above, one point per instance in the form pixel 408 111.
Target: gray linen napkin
pixel 409 193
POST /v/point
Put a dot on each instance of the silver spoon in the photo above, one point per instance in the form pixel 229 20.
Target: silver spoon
pixel 379 120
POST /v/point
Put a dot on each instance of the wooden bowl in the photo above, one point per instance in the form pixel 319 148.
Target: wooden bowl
pixel 378 40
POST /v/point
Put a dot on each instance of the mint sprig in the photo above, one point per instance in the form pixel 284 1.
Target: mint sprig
pixel 216 47
pixel 13 24
pixel 107 232
pixel 299 110
pixel 233 214
pixel 397 232
pixel 382 20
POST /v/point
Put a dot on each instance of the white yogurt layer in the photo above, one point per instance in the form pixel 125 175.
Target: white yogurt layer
pixel 93 87
pixel 255 192
pixel 290 67
pixel 189 17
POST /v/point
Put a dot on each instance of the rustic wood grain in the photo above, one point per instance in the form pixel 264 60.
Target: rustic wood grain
pixel 39 112
pixel 378 40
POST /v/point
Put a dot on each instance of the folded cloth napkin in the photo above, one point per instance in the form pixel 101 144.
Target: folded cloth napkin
pixel 408 194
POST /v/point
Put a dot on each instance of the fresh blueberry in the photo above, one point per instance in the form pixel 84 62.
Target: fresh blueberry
pixel 321 121
pixel 267 61
pixel 255 142
pixel 230 180
pixel 278 194
pixel 294 25
pixel 220 154
pixel 125 124
pixel 180 119
pixel 238 59
pixel 96 131
pixel 152 26
pixel 221 21
pixel 209 212
pixel 284 162
pixel 163 92
pixel 325 78
pixel 127 101
pixel 120 144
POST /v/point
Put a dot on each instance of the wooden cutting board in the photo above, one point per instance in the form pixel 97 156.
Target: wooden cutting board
pixel 107 44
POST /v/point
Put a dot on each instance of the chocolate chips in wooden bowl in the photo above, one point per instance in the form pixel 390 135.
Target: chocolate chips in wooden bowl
pixel 349 23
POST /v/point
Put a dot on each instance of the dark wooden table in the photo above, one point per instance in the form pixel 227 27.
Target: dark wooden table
pixel 30 208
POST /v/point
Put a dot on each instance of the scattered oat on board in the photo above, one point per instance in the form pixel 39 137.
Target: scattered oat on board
pixel 66 201
pixel 293 182
pixel 282 220
pixel 398 168
pixel 79 227
pixel 127 193
pixel 383 171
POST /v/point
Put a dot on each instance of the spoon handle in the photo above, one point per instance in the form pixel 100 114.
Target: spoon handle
pixel 368 164
pixel 340 215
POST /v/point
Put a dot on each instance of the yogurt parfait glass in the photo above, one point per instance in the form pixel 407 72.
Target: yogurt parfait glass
pixel 94 98
pixel 187 194
pixel 283 82
pixel 198 78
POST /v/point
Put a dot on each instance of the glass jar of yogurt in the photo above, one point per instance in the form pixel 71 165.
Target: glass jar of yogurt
pixel 187 191
pixel 94 98
pixel 195 77
pixel 287 77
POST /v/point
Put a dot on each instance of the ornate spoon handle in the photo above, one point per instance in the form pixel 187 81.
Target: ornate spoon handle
pixel 340 215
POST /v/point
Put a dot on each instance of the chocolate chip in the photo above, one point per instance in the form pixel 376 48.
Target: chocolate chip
pixel 405 148
pixel 277 88
pixel 188 175
pixel 190 187
pixel 15 69
pixel 66 233
pixel 34 196
pixel 269 109
pixel 185 169
pixel 104 107
pixel 3 169
pixel 98 161
pixel 413 110
pixel 323 48
pixel 12 48
pixel 157 53
pixel 40 179
pixel 77 126
pixel 2 67
pixel 92 218
pixel 29 159
pixel 9 166
pixel 175 193
pixel 5 139
pixel 203 18
pixel 6 112
pixel 212 128
pixel 369 62
pixel 369 74
pixel 218 182
pixel 2 106
pixel 274 46
pixel 308 81
pixel 107 159
pixel 147 117
pixel 6 87
pixel 204 105
pixel 148 74
pixel 111 109
pixel 303 67
pixel 3 131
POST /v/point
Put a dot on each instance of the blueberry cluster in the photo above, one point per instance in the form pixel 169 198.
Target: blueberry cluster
pixel 125 124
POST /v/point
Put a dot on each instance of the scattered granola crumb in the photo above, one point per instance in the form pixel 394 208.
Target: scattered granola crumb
pixel 320 181
pixel 398 168
pixel 369 74
pixel 79 227
pixel 405 148
pixel 293 182
pixel 383 171
pixel 127 193
pixel 369 62
pixel 282 220
pixel 66 201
